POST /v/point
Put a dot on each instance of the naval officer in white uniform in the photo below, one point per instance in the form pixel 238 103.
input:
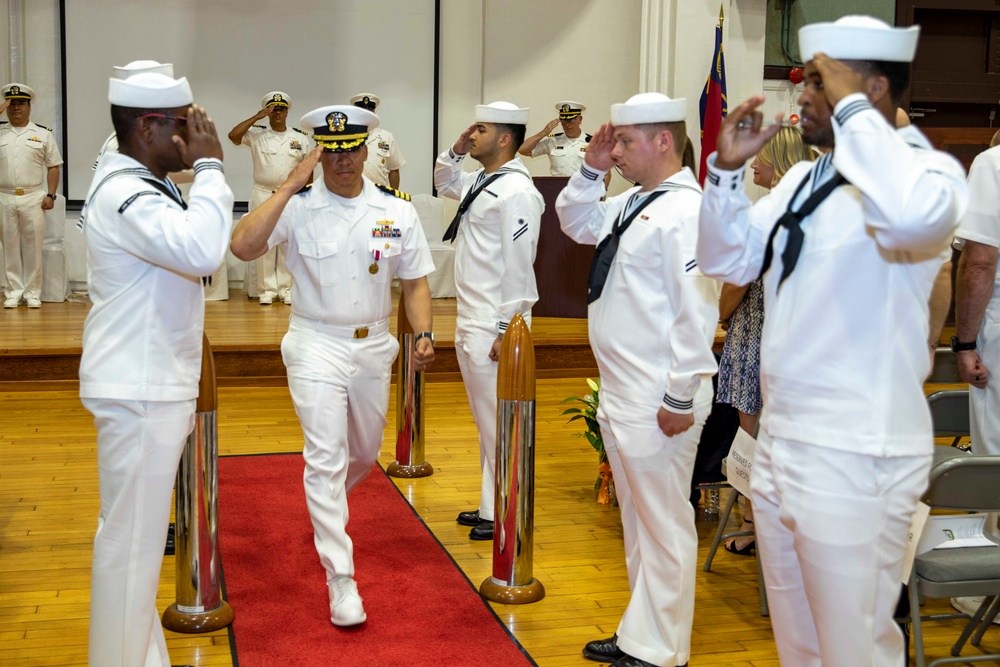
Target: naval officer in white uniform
pixel 275 148
pixel 385 158
pixel 566 149
pixel 652 319
pixel 29 177
pixel 496 236
pixel 146 251
pixel 845 440
pixel 345 240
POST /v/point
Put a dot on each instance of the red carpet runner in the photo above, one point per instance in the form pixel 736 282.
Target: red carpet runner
pixel 421 608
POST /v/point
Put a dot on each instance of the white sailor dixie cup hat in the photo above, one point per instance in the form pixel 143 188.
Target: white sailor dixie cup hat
pixel 504 113
pixel 150 90
pixel 144 66
pixel 648 108
pixel 568 109
pixel 276 98
pixel 340 128
pixel 368 101
pixel 859 38
pixel 18 91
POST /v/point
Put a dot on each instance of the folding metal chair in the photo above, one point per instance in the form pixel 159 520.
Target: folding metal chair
pixel 964 483
pixel 950 414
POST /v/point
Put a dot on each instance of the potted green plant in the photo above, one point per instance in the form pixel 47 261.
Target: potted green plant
pixel 604 487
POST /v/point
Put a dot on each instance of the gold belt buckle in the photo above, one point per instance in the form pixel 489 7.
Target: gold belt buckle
pixel 361 332
pixel 19 191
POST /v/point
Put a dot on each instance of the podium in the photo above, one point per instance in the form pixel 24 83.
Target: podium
pixel 561 264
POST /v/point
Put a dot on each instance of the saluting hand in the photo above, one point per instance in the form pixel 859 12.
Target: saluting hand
pixel 839 80
pixel 551 126
pixel 464 143
pixel 202 141
pixel 303 171
pixel 4 105
pixel 735 144
pixel 265 112
pixel 599 149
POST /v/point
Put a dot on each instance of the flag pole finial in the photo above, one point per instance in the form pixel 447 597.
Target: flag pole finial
pixel 722 16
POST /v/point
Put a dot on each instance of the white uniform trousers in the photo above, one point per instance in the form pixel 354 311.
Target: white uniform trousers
pixel 832 529
pixel 23 235
pixel 139 444
pixel 340 388
pixel 273 278
pixel 652 476
pixel 473 341
pixel 984 404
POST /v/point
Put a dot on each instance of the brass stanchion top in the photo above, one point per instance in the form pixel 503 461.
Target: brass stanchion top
pixel 516 374
pixel 208 393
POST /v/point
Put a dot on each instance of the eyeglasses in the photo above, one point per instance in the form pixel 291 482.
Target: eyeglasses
pixel 181 120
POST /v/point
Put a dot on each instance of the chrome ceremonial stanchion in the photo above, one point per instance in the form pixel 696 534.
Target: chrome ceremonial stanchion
pixel 199 606
pixel 409 406
pixel 514 520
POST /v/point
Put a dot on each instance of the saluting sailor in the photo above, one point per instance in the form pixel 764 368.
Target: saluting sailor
pixel 496 237
pixel 29 178
pixel 566 149
pixel 275 148
pixel 345 239
pixel 652 319
pixel 849 247
pixel 385 158
pixel 146 248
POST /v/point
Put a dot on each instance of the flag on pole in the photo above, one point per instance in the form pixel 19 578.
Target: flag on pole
pixel 714 106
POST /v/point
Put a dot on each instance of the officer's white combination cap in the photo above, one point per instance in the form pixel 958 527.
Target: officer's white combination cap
pixel 501 112
pixel 144 66
pixel 18 91
pixel 150 91
pixel 649 108
pixel 366 98
pixel 859 38
pixel 340 128
pixel 276 98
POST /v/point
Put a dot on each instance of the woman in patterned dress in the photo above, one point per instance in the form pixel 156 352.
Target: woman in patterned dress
pixel 743 309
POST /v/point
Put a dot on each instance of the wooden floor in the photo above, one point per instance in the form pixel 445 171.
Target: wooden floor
pixel 49 504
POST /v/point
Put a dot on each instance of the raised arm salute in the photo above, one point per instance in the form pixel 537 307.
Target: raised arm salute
pixel 849 247
pixel 147 249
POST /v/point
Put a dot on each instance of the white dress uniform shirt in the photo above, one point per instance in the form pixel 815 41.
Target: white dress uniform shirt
pixel 653 327
pixel 860 290
pixel 275 154
pixel 384 155
pixel 142 338
pixel 331 261
pixel 26 153
pixel 845 441
pixel 565 155
pixel 497 240
pixel 652 331
pixel 981 224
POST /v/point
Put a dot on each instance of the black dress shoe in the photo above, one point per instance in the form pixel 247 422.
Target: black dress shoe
pixel 170 548
pixel 603 650
pixel 630 661
pixel 469 518
pixel 484 531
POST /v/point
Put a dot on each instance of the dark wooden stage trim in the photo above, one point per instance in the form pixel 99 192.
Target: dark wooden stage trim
pixel 40 349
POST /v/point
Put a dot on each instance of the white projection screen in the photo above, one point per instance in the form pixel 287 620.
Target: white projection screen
pixel 320 52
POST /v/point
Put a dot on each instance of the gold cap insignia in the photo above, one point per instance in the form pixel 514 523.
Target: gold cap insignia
pixel 336 121
pixel 564 107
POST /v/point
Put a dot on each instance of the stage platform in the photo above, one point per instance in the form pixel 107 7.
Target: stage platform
pixel 40 349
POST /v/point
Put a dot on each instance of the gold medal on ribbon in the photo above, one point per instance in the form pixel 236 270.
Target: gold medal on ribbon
pixel 373 269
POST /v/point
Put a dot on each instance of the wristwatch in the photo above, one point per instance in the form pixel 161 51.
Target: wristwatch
pixel 52 197
pixel 956 346
pixel 424 334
